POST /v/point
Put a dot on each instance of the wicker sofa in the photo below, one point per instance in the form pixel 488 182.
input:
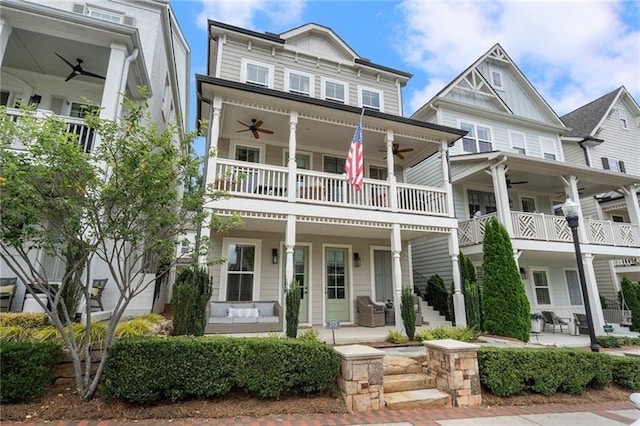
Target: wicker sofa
pixel 243 317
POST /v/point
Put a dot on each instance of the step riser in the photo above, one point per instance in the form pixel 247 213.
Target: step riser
pixel 425 382
pixel 393 370
pixel 444 402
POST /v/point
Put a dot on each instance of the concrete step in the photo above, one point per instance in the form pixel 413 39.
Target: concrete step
pixel 437 323
pixel 408 382
pixel 416 399
pixel 392 365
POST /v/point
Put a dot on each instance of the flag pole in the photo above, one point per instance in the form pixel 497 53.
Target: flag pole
pixel 361 115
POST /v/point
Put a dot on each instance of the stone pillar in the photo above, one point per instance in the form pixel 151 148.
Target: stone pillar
pixel 361 378
pixel 454 365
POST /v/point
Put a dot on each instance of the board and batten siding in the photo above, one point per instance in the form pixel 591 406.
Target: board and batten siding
pixel 430 257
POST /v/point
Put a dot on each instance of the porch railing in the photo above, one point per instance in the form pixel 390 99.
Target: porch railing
pixel 610 233
pixel 240 178
pixel 632 261
pixel 540 226
pixel 471 232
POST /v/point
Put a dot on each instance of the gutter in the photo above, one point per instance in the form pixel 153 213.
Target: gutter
pixel 124 77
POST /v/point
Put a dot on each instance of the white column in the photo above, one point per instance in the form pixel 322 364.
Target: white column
pixel 391 176
pixel 293 166
pixel 446 177
pixel 458 296
pixel 290 243
pixel 5 32
pixel 631 199
pixel 571 189
pixel 112 82
pixel 396 249
pixel 594 297
pixel 502 197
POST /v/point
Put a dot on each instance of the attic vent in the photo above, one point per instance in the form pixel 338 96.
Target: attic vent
pixel 129 21
pixel 104 14
pixel 78 8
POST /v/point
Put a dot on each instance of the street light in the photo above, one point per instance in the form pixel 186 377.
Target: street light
pixel 571 212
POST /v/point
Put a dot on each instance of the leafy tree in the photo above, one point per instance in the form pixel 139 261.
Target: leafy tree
pixel 505 305
pixel 292 313
pixel 191 293
pixel 119 204
pixel 631 294
pixel 408 312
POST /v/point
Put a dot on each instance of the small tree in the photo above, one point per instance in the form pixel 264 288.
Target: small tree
pixel 191 293
pixel 408 312
pixel 293 309
pixel 504 301
pixel 631 294
pixel 471 291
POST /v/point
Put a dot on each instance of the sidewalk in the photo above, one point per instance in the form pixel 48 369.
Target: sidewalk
pixel 606 414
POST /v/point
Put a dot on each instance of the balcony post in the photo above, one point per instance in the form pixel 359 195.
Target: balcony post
pixel 592 293
pixel 458 296
pixel 502 196
pixel 112 82
pixel 571 188
pixel 391 176
pixel 631 199
pixel 5 32
pixel 292 164
pixel 396 248
pixel 446 176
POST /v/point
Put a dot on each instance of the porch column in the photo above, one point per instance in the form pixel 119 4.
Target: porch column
pixel 631 198
pixel 290 243
pixel 293 166
pixel 502 196
pixel 396 249
pixel 112 82
pixel 209 171
pixel 391 176
pixel 458 296
pixel 5 32
pixel 594 297
pixel 571 189
pixel 446 176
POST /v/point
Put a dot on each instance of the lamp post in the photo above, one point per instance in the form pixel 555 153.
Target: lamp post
pixel 571 212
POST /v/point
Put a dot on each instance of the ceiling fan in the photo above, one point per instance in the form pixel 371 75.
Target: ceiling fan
pixel 510 183
pixel 77 69
pixel 255 128
pixel 397 151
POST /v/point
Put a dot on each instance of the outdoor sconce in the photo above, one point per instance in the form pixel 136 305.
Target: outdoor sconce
pixel 356 260
pixel 35 99
pixel 523 273
pixel 274 256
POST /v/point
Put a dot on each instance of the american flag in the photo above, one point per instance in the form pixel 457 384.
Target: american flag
pixel 354 167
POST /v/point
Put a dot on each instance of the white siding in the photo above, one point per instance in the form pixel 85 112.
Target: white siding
pixel 431 257
pixel 573 153
pixel 427 172
pixel 603 278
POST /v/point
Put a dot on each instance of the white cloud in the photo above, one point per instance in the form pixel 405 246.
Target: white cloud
pixel 247 13
pixel 572 52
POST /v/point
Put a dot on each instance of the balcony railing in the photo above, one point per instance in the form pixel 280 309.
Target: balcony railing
pixel 244 179
pixel 86 136
pixel 544 227
pixel 632 261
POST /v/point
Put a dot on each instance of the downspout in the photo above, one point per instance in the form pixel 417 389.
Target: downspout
pixel 123 76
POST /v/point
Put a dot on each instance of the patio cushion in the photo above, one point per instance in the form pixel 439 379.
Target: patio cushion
pixel 243 313
pixel 266 320
pixel 265 308
pixel 218 310
pixel 250 320
pixel 221 320
pixel 242 305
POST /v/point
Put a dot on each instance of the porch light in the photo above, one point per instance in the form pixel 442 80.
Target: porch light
pixel 35 99
pixel 356 260
pixel 571 212
pixel 274 256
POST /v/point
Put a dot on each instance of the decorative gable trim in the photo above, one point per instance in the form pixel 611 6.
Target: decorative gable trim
pixel 498 54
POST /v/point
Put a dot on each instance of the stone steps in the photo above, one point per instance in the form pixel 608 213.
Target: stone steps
pixel 392 365
pixel 416 399
pixel 432 318
pixel 408 382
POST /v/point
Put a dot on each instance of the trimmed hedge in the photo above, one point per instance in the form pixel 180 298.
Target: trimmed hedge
pixel 626 372
pixel 26 369
pixel 617 341
pixel 144 370
pixel 506 372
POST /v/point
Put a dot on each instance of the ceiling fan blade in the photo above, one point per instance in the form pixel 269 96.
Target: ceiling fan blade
pixel 245 130
pixel 70 76
pixel 405 150
pixel 90 74
pixel 67 62
pixel 243 123
pixel 400 156
pixel 258 123
pixel 519 182
pixel 255 134
pixel 396 146
pixel 270 132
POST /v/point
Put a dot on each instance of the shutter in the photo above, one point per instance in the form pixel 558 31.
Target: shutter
pixel 621 167
pixel 129 21
pixel 605 163
pixel 78 8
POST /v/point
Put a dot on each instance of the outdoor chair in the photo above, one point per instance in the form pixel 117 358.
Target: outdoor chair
pixel 96 291
pixel 581 324
pixel 550 317
pixel 7 291
pixel 369 313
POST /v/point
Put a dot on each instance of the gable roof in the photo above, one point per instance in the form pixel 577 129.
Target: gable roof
pixel 498 53
pixel 586 120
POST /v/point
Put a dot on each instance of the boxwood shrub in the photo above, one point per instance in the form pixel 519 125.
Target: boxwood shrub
pixel 626 372
pixel 26 368
pixel 144 370
pixel 506 372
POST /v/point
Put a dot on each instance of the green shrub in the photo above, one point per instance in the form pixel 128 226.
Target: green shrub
pixel 462 334
pixel 617 341
pixel 626 372
pixel 506 372
pixel 436 295
pixel 26 369
pixel 310 334
pixel 504 301
pixel 631 293
pixel 408 312
pixel 395 336
pixel 191 293
pixel 24 320
pixel 144 370
pixel 15 333
pixel 292 313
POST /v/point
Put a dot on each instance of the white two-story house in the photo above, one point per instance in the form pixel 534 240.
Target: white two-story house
pixel 605 134
pixel 511 165
pixel 281 112
pixel 61 55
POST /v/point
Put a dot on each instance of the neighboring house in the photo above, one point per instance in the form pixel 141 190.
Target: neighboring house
pixel 511 165
pixel 282 110
pixel 61 54
pixel 605 134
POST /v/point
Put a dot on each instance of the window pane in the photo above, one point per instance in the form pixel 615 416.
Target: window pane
pixel 371 99
pixel 468 145
pixel 299 84
pixel 4 98
pixel 257 74
pixel 484 133
pixel 334 91
pixel 542 296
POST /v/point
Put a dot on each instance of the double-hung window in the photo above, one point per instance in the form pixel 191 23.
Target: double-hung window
pixel 370 98
pixel 334 90
pixel 496 79
pixel 478 138
pixel 518 142
pixel 241 271
pixel 613 164
pixel 257 73
pixel 548 146
pixel 541 287
pixel 298 82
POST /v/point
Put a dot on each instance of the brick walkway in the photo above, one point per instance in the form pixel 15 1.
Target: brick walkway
pixel 413 417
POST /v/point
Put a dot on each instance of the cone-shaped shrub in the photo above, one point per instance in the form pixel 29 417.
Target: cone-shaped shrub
pixel 631 292
pixel 504 301
pixel 191 293
pixel 407 312
pixel 292 315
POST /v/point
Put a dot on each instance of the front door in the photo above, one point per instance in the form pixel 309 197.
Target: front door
pixel 383 275
pixel 300 273
pixel 336 288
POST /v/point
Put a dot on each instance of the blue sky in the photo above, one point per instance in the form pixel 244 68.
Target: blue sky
pixel 573 52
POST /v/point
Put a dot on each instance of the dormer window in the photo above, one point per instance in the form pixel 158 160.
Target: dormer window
pixel 370 98
pixel 334 90
pixel 496 79
pixel 622 115
pixel 257 73
pixel 298 82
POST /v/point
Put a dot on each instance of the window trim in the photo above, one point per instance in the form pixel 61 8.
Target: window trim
pixel 476 139
pixel 617 216
pixel 244 62
pixel 285 157
pixel 532 197
pixel 613 160
pixel 566 282
pixel 534 296
pixel 378 166
pixel 556 154
pixel 226 242
pixel 332 156
pixel 622 118
pixel 524 140
pixel 380 93
pixel 323 85
pixel 247 144
pixel 493 81
pixel 312 86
